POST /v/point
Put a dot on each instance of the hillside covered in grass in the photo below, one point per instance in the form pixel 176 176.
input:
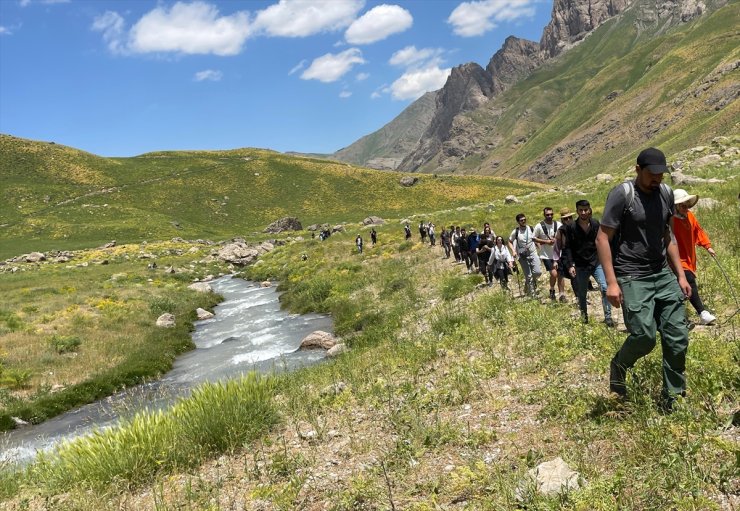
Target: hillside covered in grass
pixel 449 395
pixel 56 197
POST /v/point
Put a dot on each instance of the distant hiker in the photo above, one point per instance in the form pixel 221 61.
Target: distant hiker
pixel 637 219
pixel 689 235
pixel 566 218
pixel 407 231
pixel 373 236
pixel 358 242
pixel 422 231
pixel 544 236
pixel 580 257
pixel 521 243
pixel 465 255
pixel 501 262
pixel 455 240
pixel 473 241
pixel 430 231
pixel 445 238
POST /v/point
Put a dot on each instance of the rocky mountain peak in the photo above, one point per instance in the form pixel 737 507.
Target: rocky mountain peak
pixel 516 58
pixel 572 20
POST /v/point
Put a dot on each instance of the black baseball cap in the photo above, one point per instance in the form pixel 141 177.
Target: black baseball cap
pixel 652 159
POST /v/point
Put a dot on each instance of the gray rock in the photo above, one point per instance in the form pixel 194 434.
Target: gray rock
pixel 373 220
pixel 19 423
pixel 204 314
pixel 201 287
pixel 510 199
pixel 313 227
pixel 709 159
pixel 238 253
pixel 34 257
pixel 338 228
pixel 266 283
pixel 554 477
pixel 679 178
pixel 319 339
pixel 337 350
pixel 166 320
pixel 408 181
pixel 287 223
pixel 603 178
pixel 708 203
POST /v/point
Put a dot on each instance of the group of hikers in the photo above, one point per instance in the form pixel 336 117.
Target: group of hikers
pixel 642 255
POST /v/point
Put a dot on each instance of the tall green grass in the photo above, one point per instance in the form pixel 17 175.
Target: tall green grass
pixel 216 418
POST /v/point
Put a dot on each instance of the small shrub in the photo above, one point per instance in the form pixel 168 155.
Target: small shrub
pixel 15 379
pixel 161 304
pixel 64 343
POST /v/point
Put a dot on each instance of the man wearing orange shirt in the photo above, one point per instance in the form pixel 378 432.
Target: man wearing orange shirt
pixel 689 234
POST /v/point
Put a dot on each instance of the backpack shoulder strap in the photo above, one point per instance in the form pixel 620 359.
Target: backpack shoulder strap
pixel 544 228
pixel 629 193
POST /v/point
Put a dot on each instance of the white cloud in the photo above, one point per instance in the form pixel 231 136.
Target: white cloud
pixel 379 23
pixel 111 24
pixel 5 31
pixel 413 84
pixel 211 75
pixel 410 56
pixel 476 18
pixel 345 94
pixel 331 67
pixel 301 18
pixel 298 67
pixel 26 3
pixel 362 76
pixel 194 28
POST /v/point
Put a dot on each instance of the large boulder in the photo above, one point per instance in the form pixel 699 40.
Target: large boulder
pixel 373 220
pixel 35 257
pixel 511 199
pixel 238 253
pixel 287 223
pixel 554 477
pixel 408 181
pixel 166 320
pixel 204 314
pixel 318 340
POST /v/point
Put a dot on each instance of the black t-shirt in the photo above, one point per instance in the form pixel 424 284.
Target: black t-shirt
pixel 641 230
pixel 580 245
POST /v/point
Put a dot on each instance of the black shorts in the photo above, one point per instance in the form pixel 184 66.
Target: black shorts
pixel 547 263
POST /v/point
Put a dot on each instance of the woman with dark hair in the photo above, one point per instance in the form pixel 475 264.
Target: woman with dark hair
pixel 501 262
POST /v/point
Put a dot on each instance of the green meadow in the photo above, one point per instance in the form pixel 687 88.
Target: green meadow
pixel 449 394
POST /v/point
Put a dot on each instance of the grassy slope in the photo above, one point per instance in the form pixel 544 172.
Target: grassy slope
pixel 56 197
pixel 656 78
pixel 450 396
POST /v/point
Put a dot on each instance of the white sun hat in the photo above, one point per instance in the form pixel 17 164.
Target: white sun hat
pixel 681 196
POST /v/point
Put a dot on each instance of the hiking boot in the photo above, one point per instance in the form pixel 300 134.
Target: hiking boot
pixel 609 322
pixel 706 318
pixel 617 378
pixel 552 294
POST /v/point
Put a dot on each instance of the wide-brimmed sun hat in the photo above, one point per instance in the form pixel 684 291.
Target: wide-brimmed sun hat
pixel 681 196
pixel 565 213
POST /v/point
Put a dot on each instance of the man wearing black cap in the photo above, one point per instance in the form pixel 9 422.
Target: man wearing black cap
pixel 643 274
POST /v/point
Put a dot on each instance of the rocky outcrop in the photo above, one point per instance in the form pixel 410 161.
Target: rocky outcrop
pixel 287 223
pixel 571 21
pixel 408 181
pixel 373 220
pixel 515 60
pixel 166 320
pixel 318 340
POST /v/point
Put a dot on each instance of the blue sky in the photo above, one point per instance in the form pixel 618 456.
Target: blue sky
pixel 124 77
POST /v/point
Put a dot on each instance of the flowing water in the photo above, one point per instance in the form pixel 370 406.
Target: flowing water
pixel 250 332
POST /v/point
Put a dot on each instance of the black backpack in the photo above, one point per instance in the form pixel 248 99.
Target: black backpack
pixel 666 194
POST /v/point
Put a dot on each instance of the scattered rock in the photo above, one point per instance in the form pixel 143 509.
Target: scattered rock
pixel 287 223
pixel 20 423
pixel 201 287
pixel 169 269
pixel 266 283
pixel 554 477
pixel 679 178
pixel 204 314
pixel 166 320
pixel 337 228
pixel 604 178
pixel 34 257
pixel 238 253
pixel 118 276
pixel 110 244
pixel 510 199
pixel 319 339
pixel 707 160
pixel 708 203
pixel 333 389
pixel 408 181
pixel 337 350
pixel 373 220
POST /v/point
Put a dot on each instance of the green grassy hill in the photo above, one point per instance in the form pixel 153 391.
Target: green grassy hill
pixel 632 83
pixel 56 197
